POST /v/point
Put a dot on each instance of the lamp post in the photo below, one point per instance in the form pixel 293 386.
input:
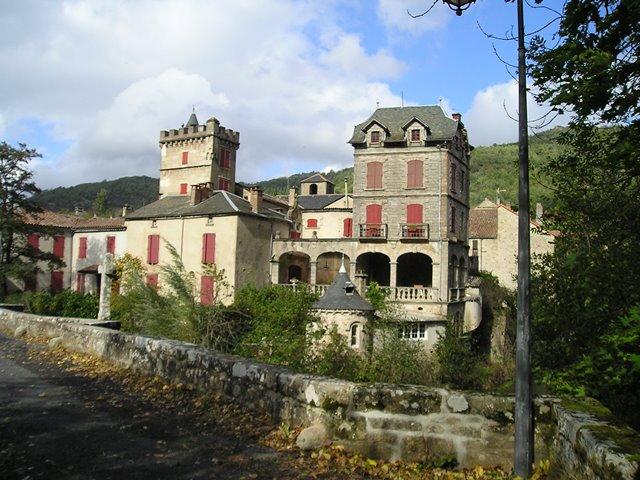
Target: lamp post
pixel 524 401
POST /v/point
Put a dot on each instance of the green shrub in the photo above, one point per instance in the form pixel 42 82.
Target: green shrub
pixel 335 358
pixel 64 304
pixel 279 319
pixel 459 365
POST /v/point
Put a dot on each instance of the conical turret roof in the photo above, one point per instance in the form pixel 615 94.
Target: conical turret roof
pixel 193 120
pixel 342 295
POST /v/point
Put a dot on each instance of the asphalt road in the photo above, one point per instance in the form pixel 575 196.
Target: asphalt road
pixel 56 425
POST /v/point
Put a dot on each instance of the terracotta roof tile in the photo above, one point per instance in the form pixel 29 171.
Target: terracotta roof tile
pixel 73 222
pixel 483 223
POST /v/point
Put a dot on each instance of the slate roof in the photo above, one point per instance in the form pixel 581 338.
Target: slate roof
pixel 193 120
pixel 337 298
pixel 483 223
pixel 220 203
pixel 317 202
pixel 316 177
pixel 74 222
pixel 395 118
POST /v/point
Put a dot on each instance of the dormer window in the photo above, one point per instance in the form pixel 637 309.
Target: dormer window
pixel 349 288
pixel 415 135
pixel 375 137
pixel 313 189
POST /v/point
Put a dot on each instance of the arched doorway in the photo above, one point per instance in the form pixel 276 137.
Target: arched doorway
pixel 294 266
pixel 327 267
pixel 414 270
pixel 376 267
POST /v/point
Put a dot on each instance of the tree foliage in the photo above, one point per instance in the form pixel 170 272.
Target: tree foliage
pixel 17 212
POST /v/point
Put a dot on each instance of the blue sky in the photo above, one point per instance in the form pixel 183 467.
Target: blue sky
pixel 91 83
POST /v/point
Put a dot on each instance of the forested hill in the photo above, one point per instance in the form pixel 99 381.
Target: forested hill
pixel 492 168
pixel 135 191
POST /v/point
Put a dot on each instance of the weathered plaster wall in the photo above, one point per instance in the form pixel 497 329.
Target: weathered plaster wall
pixel 382 421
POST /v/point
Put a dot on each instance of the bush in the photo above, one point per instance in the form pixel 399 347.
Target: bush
pixel 459 365
pixel 335 358
pixel 279 319
pixel 64 304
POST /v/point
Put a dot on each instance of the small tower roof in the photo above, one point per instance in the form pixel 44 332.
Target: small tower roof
pixel 342 295
pixel 193 120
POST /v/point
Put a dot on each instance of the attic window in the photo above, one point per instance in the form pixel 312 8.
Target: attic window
pixel 313 189
pixel 375 137
pixel 349 288
pixel 415 135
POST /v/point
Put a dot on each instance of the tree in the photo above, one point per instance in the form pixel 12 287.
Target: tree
pixel 17 214
pixel 100 203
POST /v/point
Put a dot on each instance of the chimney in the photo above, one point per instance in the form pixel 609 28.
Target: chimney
pixel 346 192
pixel 125 209
pixel 255 199
pixel 293 197
pixel 457 117
pixel 539 212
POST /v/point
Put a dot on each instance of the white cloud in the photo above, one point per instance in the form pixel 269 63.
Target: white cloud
pixel 487 119
pixel 394 14
pixel 110 75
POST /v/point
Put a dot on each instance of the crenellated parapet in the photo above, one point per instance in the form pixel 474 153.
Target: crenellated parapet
pixel 193 132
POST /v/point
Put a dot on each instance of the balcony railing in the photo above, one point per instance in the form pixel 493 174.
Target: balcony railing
pixel 418 231
pixel 317 289
pixel 410 294
pixel 376 231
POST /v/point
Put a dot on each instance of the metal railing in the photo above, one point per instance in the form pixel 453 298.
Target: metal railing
pixel 414 230
pixel 372 230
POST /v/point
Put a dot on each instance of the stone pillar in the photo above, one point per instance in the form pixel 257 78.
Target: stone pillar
pixel 393 274
pixel 312 275
pixel 105 270
pixel 274 270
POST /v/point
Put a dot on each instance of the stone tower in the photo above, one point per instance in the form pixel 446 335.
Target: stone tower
pixel 195 154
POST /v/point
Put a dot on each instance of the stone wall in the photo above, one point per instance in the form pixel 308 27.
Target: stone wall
pixel 381 421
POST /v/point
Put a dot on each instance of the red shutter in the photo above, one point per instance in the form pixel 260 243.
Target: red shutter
pixel 414 213
pixel 82 247
pixel 183 188
pixel 34 240
pixel 348 227
pixel 58 246
pixel 56 281
pixel 111 244
pixel 312 223
pixel 206 290
pixel 153 247
pixel 208 248
pixel 185 158
pixel 225 158
pixel 414 174
pixel 374 175
pixel 223 184
pixel 374 213
pixel 152 280
pixel 80 282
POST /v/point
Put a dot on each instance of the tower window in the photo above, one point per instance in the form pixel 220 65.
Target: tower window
pixel 225 158
pixel 415 135
pixel 185 158
pixel 313 189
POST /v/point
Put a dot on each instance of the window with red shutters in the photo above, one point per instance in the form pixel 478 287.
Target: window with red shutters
pixel 153 249
pixel 414 213
pixel 375 137
pixel 294 235
pixel 80 282
pixel 208 248
pixel 374 213
pixel 415 135
pixel 414 174
pixel 347 230
pixel 312 223
pixel 111 244
pixel 225 158
pixel 152 280
pixel 185 158
pixel 33 239
pixel 183 188
pixel 56 281
pixel 58 246
pixel 374 175
pixel 206 290
pixel 82 247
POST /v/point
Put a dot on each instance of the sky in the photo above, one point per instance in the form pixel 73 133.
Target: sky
pixel 90 83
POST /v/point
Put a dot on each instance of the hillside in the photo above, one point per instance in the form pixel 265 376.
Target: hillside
pixel 492 168
pixel 135 191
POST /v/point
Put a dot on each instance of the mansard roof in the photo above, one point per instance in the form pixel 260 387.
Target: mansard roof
pixel 220 202
pixel 395 120
pixel 318 202
pixel 316 177
pixel 342 295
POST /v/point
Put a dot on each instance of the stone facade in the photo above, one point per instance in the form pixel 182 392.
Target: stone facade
pixel 381 421
pixel 86 260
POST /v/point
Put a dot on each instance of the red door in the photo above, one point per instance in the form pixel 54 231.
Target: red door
pixel 374 220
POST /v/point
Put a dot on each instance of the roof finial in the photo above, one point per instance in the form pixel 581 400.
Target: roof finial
pixel 342 269
pixel 193 108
